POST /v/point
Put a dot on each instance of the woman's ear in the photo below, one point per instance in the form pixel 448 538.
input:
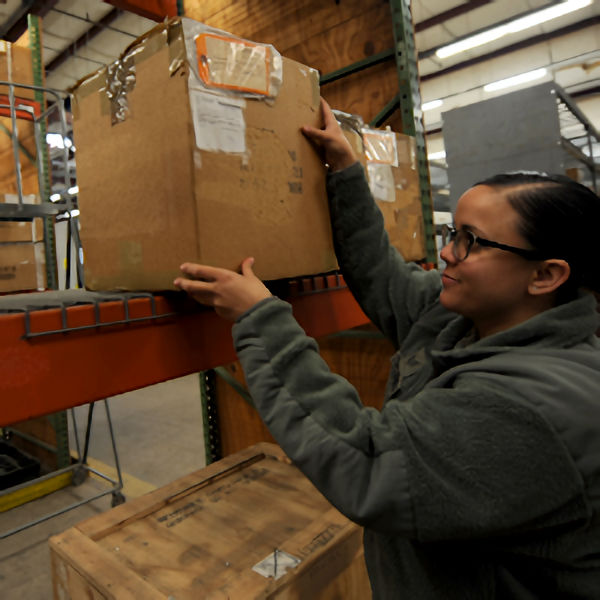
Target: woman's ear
pixel 549 276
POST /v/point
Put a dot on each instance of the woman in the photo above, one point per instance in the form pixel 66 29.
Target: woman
pixel 480 477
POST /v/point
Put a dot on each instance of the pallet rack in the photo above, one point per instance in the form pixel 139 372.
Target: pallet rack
pixel 114 343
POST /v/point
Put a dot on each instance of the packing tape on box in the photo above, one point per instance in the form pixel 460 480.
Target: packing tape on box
pixel 223 71
pixel 380 146
pixel 233 65
pixel 40 265
pixel 114 82
pixel 381 182
pixel 349 121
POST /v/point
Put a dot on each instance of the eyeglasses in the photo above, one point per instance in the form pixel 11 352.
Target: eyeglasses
pixel 463 241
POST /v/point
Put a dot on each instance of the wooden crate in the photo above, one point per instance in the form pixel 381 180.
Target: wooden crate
pixel 201 536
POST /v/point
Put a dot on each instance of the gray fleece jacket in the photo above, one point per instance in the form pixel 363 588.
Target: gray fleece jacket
pixel 480 477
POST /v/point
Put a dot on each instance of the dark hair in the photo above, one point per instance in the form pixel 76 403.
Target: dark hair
pixel 559 218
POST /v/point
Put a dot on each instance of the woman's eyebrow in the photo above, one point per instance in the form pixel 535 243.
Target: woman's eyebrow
pixel 472 228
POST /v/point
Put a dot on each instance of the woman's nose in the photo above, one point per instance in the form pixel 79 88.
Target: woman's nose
pixel 446 254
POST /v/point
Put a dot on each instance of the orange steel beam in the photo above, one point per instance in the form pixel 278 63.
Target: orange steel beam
pixel 47 373
pixel 151 9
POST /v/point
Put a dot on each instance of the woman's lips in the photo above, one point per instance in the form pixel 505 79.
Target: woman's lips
pixel 447 280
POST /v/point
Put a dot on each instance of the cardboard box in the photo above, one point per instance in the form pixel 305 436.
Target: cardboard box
pixel 22 231
pixel 16 65
pixel 22 267
pixel 183 168
pixel 248 526
pixel 12 198
pixel 18 60
pixel 389 159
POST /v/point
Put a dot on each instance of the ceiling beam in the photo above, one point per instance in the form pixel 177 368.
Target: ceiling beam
pixel 83 39
pixel 16 25
pixel 538 39
pixel 432 51
pixel 450 14
pixel 156 10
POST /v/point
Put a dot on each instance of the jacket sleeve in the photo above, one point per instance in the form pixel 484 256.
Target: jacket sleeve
pixel 449 464
pixel 392 293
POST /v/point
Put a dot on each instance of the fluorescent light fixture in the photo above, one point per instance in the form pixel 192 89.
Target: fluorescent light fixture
pixel 432 104
pixel 75 212
pixel 546 14
pixel 55 198
pixel 516 80
pixel 472 42
pixel 74 190
pixel 56 140
pixel 437 155
pixel 519 24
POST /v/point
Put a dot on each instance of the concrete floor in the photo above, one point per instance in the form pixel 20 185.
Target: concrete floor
pixel 159 438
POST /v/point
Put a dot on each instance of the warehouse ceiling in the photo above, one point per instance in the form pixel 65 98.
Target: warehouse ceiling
pixel 80 36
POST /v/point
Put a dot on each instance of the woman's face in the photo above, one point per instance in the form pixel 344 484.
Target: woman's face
pixel 490 286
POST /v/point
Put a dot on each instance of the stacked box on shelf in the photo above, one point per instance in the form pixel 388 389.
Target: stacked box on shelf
pixel 249 526
pixel 22 258
pixel 189 149
pixel 389 159
pixel 16 67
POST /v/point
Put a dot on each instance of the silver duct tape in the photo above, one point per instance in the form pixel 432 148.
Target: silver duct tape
pixel 346 120
pixel 120 81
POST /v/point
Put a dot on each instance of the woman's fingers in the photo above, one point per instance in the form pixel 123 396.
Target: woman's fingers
pixel 316 135
pixel 203 272
pixel 230 293
pixel 328 116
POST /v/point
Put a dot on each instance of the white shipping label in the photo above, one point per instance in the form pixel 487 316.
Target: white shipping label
pixel 218 122
pixel 276 564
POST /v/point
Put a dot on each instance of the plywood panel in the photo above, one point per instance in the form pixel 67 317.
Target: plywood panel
pixel 283 24
pixel 363 361
pixel 347 42
pixel 366 93
pixel 324 35
pixel 40 429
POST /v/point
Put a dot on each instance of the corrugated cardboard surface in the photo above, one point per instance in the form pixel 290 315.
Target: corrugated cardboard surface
pixel 22 267
pixel 21 72
pixel 12 198
pixel 21 69
pixel 150 199
pixel 401 208
pixel 22 231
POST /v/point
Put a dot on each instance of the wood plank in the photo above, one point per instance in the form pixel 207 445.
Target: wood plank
pixel 98 526
pixel 283 24
pixel 102 573
pixel 366 93
pixel 363 361
pixel 201 539
pixel 348 42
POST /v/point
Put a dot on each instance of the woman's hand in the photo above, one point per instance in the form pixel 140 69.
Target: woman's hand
pixel 337 151
pixel 230 294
